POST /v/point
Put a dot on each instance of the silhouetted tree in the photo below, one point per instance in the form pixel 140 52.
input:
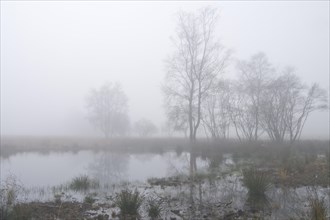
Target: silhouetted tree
pixel 193 68
pixel 107 109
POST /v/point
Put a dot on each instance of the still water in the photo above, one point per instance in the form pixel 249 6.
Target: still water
pixel 39 170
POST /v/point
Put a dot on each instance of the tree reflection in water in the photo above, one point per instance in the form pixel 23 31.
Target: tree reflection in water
pixel 192 187
pixel 109 168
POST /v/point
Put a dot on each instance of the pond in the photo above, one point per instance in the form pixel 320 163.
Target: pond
pixel 39 170
pixel 217 189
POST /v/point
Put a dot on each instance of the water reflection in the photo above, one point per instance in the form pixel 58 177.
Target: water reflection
pixel 109 167
pixel 35 169
pixel 39 170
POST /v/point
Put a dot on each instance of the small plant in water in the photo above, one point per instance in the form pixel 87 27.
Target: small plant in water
pixel 154 208
pixel 257 182
pixel 83 183
pixel 129 203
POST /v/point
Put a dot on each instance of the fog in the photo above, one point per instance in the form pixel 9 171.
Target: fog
pixel 53 53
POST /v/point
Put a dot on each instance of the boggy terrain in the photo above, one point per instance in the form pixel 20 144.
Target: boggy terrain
pixel 218 180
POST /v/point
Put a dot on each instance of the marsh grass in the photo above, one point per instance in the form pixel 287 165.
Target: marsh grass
pixel 257 182
pixel 318 208
pixel 83 183
pixel 129 203
pixel 154 208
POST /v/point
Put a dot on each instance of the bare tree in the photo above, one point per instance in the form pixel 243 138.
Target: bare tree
pixel 288 104
pixel 241 114
pixel 254 76
pixel 145 128
pixel 273 112
pixel 177 118
pixel 216 108
pixel 108 109
pixel 194 67
pixel 315 99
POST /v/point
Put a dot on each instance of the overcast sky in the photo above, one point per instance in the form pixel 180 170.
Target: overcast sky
pixel 53 53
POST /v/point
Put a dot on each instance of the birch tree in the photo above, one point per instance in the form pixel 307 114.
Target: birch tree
pixel 194 66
